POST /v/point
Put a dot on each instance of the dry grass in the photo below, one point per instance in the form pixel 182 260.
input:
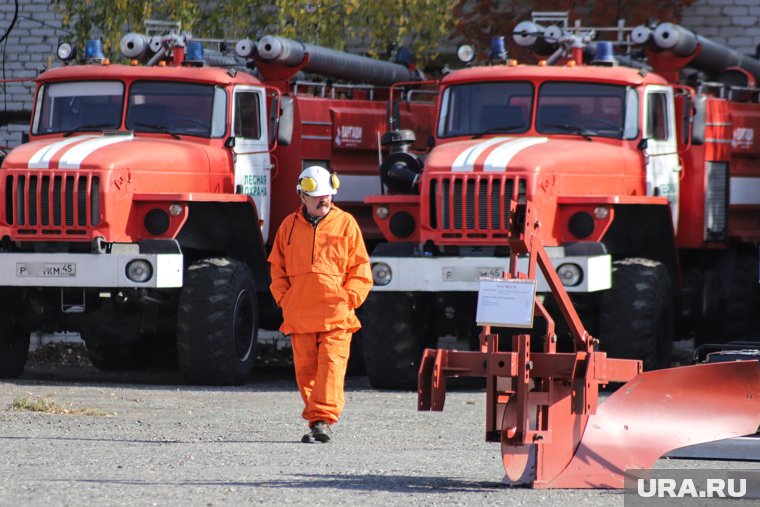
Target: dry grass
pixel 48 406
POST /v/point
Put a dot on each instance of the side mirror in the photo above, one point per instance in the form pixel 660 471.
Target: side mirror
pixel 643 144
pixel 230 142
pixel 285 132
pixel 431 141
pixel 699 124
pixel 274 120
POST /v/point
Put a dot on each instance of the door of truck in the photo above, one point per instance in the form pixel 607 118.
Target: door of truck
pixel 663 168
pixel 252 163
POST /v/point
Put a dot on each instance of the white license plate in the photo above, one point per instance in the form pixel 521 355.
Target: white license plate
pixel 493 272
pixel 46 269
pixel 471 273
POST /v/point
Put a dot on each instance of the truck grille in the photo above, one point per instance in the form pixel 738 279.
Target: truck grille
pixel 472 206
pixel 50 203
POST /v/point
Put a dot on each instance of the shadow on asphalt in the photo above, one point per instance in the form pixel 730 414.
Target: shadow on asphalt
pixel 264 378
pixel 274 376
pixel 369 482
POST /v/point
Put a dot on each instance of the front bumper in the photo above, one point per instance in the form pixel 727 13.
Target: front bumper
pixel 88 270
pixel 461 274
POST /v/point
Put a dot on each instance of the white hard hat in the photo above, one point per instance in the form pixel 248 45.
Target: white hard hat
pixel 317 181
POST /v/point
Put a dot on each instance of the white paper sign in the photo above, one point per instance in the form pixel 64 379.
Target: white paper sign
pixel 505 303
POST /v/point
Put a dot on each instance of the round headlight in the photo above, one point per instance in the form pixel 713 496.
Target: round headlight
pixel 570 274
pixel 139 271
pixel 381 273
pixel 156 221
pixel 65 51
pixel 382 212
pixel 466 53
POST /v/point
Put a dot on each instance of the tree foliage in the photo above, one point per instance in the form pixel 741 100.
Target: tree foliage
pixel 418 24
pixel 479 21
pixel 110 19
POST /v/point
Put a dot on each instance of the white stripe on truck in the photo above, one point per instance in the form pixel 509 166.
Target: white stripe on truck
pixel 498 160
pixel 73 158
pixel 41 159
pixel 465 161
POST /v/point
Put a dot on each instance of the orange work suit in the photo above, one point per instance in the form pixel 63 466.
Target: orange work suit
pixel 320 275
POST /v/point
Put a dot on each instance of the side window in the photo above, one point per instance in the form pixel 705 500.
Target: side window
pixel 657 116
pixel 247 117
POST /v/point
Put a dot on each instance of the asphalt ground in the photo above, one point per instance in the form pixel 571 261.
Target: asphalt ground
pixel 144 439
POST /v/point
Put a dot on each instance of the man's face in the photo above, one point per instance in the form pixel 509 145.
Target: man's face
pixel 316 206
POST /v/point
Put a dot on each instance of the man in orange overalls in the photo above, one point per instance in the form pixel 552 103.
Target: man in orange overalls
pixel 320 275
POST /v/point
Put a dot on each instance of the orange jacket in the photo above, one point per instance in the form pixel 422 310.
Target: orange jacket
pixel 321 274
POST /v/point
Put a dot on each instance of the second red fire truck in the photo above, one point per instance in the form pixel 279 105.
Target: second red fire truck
pixel 645 176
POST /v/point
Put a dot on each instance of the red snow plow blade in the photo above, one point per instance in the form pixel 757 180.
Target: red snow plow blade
pixel 659 411
pixel 543 407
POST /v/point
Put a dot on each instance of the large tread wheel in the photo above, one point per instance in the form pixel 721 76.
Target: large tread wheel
pixel 739 317
pixel 112 337
pixel 217 323
pixel 14 335
pixel 636 319
pixel 393 337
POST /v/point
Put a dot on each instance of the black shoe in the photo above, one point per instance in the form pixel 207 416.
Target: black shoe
pixel 308 438
pixel 321 432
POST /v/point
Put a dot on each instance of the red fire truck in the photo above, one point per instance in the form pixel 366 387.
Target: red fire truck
pixel 645 176
pixel 138 214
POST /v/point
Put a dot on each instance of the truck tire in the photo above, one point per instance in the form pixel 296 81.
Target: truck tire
pixel 217 323
pixel 636 316
pixel 14 335
pixel 393 337
pixel 113 340
pixel 739 318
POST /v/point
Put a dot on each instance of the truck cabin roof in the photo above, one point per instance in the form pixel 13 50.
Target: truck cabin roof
pixel 210 75
pixel 535 73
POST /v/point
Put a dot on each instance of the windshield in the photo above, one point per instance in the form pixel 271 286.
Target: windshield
pixel 176 108
pixel 78 106
pixel 476 109
pixel 589 109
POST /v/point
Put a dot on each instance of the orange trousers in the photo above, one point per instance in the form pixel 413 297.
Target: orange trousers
pixel 320 361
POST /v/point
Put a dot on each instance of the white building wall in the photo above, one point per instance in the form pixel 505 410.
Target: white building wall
pixel 28 49
pixel 734 23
